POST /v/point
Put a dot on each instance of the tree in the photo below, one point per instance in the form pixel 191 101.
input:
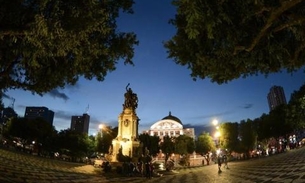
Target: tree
pixel 229 136
pixel 104 139
pixel 74 143
pixel 149 142
pixel 279 124
pixel 262 127
pixel 1 103
pixel 184 145
pixel 225 40
pixel 247 135
pixel 60 41
pixel 167 146
pixel 204 143
pixel 16 127
pixel 29 130
pixel 92 145
pixel 296 109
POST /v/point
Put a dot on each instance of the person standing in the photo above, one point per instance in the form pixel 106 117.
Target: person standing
pixel 208 158
pixel 225 161
pixel 219 161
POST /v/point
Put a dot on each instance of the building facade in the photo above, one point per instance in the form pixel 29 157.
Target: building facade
pixel 170 126
pixel 276 97
pixel 80 123
pixel 39 112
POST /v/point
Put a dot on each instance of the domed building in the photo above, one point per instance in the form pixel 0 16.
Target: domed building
pixel 170 126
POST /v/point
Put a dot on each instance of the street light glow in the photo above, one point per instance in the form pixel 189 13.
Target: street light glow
pixel 217 134
pixel 215 122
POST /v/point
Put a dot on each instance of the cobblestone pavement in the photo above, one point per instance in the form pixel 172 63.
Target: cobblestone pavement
pixel 287 167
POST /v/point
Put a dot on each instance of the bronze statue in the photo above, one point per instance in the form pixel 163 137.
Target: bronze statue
pixel 131 99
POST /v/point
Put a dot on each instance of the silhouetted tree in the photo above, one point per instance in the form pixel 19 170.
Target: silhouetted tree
pixel 149 142
pixel 61 41
pixel 104 139
pixel 229 136
pixel 226 40
pixel 184 145
pixel 204 143
pixel 74 143
pixel 167 146
pixel 247 135
pixel 296 109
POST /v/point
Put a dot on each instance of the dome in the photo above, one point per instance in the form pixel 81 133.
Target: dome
pixel 171 117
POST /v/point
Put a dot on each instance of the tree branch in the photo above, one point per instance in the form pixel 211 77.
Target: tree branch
pixel 298 51
pixel 12 33
pixel 290 24
pixel 273 16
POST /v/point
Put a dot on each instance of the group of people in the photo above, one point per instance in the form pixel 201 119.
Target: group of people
pixel 143 169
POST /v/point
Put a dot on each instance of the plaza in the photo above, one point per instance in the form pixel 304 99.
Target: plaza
pixel 16 167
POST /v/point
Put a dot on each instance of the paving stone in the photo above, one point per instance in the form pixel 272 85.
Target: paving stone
pixel 16 167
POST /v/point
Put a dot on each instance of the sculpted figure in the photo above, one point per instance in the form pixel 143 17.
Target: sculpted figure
pixel 131 99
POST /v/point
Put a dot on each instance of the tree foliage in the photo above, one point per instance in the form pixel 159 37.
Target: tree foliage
pixel 51 43
pixel 229 136
pixel 224 40
pixel 104 139
pixel 204 143
pixel 247 136
pixel 75 143
pixel 296 109
pixel 167 146
pixel 30 129
pixel 1 102
pixel 184 145
pixel 149 142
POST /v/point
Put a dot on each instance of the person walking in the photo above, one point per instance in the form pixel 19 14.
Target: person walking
pixel 219 161
pixel 207 157
pixel 225 161
pixel 147 170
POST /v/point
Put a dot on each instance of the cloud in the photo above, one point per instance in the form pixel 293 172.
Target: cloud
pixel 56 94
pixel 6 96
pixel 200 128
pixel 74 87
pixel 94 122
pixel 63 115
pixel 213 115
pixel 247 106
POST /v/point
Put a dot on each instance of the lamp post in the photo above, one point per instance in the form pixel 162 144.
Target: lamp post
pixel 100 127
pixel 99 140
pixel 215 122
pixel 217 133
pixel 217 136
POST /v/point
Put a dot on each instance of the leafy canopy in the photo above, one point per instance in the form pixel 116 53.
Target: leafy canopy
pixel 225 39
pixel 51 43
pixel 205 143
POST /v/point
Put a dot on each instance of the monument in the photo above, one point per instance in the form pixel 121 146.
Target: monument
pixel 127 140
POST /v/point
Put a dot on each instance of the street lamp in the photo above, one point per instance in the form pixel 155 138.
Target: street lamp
pixel 217 133
pixel 100 127
pixel 215 122
pixel 217 136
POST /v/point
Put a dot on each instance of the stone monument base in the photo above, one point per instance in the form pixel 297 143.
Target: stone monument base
pixel 129 148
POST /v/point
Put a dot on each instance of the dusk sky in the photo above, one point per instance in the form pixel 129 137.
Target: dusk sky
pixel 160 84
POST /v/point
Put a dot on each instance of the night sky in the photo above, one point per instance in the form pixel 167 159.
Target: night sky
pixel 161 85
